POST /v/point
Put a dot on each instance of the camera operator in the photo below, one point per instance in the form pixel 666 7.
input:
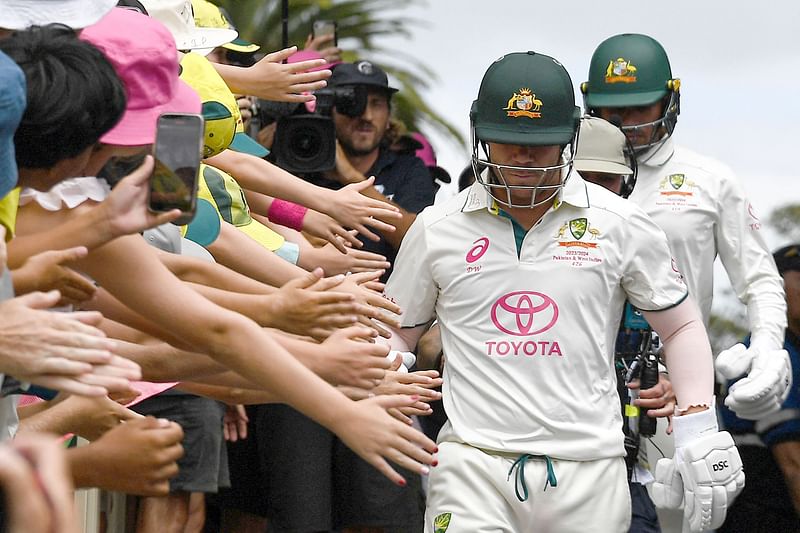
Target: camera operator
pixel 362 151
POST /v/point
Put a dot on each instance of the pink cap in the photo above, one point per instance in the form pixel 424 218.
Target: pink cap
pixel 425 153
pixel 307 55
pixel 144 56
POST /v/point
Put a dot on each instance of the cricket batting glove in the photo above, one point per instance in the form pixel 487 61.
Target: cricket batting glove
pixel 704 476
pixel 768 380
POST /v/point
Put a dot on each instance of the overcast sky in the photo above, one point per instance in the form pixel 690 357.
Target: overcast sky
pixel 739 64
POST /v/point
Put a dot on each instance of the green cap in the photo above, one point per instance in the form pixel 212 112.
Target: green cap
pixel 205 226
pixel 526 98
pixel 627 70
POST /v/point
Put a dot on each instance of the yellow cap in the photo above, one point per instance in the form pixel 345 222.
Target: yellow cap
pixel 224 126
pixel 228 198
pixel 207 15
pixel 220 111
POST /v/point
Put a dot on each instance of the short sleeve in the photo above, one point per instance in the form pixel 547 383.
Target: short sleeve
pixel 651 277
pixel 411 285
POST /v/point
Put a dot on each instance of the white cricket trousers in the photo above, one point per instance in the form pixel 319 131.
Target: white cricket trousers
pixel 470 491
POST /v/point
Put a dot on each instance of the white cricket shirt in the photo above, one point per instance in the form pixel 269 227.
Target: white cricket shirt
pixel 703 209
pixel 529 340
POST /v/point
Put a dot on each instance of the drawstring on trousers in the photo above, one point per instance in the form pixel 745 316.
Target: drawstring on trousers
pixel 519 480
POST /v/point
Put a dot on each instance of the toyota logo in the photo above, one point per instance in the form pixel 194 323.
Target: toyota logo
pixel 524 313
pixel 477 251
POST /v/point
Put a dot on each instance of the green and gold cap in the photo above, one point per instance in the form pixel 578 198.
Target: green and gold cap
pixel 207 15
pixel 220 110
pixel 223 121
pixel 525 98
pixel 627 70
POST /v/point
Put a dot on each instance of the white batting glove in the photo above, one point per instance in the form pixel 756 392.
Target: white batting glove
pixel 705 475
pixel 768 381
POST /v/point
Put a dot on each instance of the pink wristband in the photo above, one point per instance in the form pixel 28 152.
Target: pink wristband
pixel 287 214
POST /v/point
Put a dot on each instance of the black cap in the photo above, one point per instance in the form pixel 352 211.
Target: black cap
pixel 360 73
pixel 133 5
pixel 788 258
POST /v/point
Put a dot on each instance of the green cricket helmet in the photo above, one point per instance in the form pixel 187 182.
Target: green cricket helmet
pixel 527 99
pixel 633 70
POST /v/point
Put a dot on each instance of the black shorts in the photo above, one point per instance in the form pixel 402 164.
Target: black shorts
pixel 311 481
pixel 204 465
pixel 248 484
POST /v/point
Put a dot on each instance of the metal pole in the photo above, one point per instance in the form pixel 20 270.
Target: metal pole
pixel 285 15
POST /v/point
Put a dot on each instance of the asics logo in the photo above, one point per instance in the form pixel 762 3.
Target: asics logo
pixel 524 313
pixel 477 251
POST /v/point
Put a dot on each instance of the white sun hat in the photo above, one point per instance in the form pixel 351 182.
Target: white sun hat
pixel 601 148
pixel 178 17
pixel 77 14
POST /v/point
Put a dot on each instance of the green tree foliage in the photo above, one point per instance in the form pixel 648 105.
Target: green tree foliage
pixel 363 25
pixel 726 330
pixel 786 220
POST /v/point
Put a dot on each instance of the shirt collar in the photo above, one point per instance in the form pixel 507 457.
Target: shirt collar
pixel 573 193
pixel 477 198
pixel 658 155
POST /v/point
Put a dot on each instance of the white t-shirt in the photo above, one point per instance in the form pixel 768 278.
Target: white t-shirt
pixel 67 194
pixel 529 340
pixel 702 207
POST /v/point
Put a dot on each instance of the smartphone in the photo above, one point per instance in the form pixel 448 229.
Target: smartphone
pixel 177 152
pixel 326 27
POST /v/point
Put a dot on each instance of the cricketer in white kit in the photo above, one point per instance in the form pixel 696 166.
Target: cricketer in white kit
pixel 527 272
pixel 703 209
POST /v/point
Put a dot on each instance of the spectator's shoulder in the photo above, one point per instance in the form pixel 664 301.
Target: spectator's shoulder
pixel 409 164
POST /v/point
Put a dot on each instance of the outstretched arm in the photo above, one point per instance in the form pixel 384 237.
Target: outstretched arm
pixel 124 212
pixel 271 79
pixel 230 339
pixel 348 206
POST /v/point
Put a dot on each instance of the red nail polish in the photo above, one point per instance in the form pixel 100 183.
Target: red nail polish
pixel 436 450
pixel 402 482
pixel 435 463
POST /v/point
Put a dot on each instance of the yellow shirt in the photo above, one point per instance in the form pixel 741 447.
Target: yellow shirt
pixel 8 212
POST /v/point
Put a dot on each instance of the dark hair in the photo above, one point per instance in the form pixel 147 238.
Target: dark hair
pixel 74 95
